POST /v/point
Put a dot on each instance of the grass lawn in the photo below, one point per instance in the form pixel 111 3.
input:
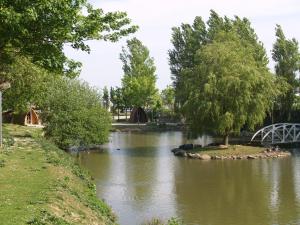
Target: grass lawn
pixel 41 184
pixel 236 150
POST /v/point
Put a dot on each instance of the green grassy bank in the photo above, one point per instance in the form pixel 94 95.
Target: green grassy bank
pixel 238 150
pixel 41 184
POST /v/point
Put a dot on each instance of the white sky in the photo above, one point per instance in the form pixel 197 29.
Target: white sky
pixel 156 18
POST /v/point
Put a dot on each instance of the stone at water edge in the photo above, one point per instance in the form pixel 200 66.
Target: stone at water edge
pixel 193 155
pixel 175 150
pixel 223 146
pixel 181 153
pixel 218 157
pixel 205 157
pixel 186 147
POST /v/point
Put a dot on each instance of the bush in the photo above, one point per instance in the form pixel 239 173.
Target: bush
pixel 73 115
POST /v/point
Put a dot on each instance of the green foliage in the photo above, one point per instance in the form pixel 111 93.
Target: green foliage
pixel 228 88
pixel 172 221
pixel 45 218
pixel 46 184
pixel 73 114
pixel 28 85
pixel 287 57
pixel 41 28
pixel 296 105
pixel 220 75
pixel 139 74
pixel 118 100
pixel 168 98
pixel 186 40
pixel 105 98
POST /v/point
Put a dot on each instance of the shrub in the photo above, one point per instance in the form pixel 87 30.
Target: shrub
pixel 73 115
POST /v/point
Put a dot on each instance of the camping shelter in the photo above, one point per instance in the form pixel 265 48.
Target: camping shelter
pixel 31 118
pixel 138 115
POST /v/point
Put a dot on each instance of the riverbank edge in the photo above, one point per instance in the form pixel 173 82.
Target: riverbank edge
pixel 233 152
pixel 147 127
pixel 54 190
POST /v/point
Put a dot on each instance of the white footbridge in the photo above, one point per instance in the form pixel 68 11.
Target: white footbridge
pixel 279 133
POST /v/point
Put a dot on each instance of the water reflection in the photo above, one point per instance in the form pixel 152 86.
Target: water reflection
pixel 213 195
pixel 143 180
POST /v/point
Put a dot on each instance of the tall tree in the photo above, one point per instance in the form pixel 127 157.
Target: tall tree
pixel 117 99
pixel 111 98
pixel 40 29
pixel 287 57
pixel 188 39
pixel 228 88
pixel 105 98
pixel 139 77
pixel 168 98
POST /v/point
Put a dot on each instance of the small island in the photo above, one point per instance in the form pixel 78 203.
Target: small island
pixel 230 152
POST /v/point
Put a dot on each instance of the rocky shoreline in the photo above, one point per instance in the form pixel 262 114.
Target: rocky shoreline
pixel 265 154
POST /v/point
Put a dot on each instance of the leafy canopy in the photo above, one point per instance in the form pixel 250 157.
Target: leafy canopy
pixel 168 97
pixel 287 57
pixel 105 98
pixel 28 85
pixel 227 87
pixel 117 98
pixel 139 74
pixel 188 39
pixel 41 28
pixel 73 115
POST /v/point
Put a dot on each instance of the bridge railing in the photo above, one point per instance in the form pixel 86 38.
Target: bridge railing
pixel 278 133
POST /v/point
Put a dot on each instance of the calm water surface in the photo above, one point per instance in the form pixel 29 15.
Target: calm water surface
pixel 143 180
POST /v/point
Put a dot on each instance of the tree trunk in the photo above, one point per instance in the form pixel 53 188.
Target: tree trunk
pixel 225 139
pixel 118 115
pixel 126 114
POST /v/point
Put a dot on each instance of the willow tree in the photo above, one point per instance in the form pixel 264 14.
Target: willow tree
pixel 287 57
pixel 219 69
pixel 187 39
pixel 228 89
pixel 139 77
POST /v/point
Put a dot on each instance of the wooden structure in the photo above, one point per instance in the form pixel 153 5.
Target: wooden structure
pixel 31 118
pixel 138 115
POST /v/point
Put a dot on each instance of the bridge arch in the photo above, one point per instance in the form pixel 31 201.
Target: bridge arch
pixel 279 133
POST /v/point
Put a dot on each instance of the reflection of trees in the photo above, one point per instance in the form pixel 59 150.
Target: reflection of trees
pixel 140 172
pixel 97 163
pixel 144 152
pixel 221 192
pixel 142 164
pixel 296 168
pixel 288 212
pixel 239 192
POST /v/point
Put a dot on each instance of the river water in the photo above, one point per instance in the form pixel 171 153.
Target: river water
pixel 143 180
